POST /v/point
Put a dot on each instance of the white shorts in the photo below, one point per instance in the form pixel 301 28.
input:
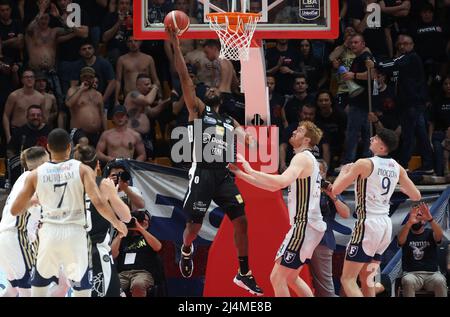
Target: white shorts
pixel 62 247
pixel 370 238
pixel 298 245
pixel 16 257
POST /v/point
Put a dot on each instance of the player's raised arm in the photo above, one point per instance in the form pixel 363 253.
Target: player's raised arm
pixel 187 86
pixel 99 202
pixel 277 182
pixel 348 175
pixel 407 186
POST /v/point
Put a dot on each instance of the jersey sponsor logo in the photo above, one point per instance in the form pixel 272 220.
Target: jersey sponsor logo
pixel 200 206
pixel 309 9
pixel 106 258
pixel 239 198
pixel 209 120
pixel 228 126
pixel 352 250
pixel 289 256
pixel 206 138
pixel 220 130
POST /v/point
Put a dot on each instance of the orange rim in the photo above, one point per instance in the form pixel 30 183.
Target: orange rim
pixel 233 17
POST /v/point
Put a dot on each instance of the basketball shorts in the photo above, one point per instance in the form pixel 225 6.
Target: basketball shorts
pixel 212 184
pixel 16 257
pixel 299 244
pixel 62 247
pixel 105 279
pixel 370 238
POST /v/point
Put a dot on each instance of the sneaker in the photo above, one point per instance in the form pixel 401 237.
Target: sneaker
pixel 248 283
pixel 186 263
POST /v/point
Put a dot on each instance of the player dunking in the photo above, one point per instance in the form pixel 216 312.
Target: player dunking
pixel 17 255
pixel 60 186
pixel 211 181
pixel 307 226
pixel 376 178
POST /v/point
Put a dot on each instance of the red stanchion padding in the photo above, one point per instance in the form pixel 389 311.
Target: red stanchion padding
pixel 268 223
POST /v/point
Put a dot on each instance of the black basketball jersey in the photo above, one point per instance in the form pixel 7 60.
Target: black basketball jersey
pixel 99 225
pixel 212 139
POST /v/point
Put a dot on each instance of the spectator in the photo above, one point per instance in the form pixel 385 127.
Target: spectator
pixel 276 102
pixel 281 62
pixel 225 77
pixel 385 110
pixel 11 34
pixel 15 114
pixel 96 11
pixel 378 39
pixel 440 129
pixel 50 109
pixel 293 103
pixel 357 122
pixel 311 67
pixel 116 28
pixel 322 258
pixel 41 41
pixel 33 133
pixel 130 65
pixel 86 107
pixel 333 123
pixel 342 55
pixel 137 256
pixel 207 70
pixel 419 254
pixel 103 71
pixel 431 40
pixel 412 98
pixel 68 49
pixel 121 141
pixel 140 109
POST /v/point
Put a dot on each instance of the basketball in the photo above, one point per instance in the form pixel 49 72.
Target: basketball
pixel 178 21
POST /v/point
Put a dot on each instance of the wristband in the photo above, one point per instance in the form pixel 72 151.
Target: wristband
pixel 431 220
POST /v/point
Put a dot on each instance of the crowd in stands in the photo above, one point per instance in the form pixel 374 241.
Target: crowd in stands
pixel 123 96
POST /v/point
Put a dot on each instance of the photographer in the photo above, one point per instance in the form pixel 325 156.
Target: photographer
pixel 322 258
pixel 121 177
pixel 136 256
pixel 105 277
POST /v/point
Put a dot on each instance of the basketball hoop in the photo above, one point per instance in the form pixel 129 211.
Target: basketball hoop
pixel 235 31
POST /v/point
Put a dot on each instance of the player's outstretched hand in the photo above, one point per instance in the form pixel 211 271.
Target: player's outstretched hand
pixel 235 170
pixel 245 165
pixel 173 37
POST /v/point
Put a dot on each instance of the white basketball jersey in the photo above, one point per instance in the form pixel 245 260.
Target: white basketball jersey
pixel 10 222
pixel 304 198
pixel 61 193
pixel 372 195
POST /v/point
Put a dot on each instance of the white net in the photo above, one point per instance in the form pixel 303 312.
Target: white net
pixel 235 33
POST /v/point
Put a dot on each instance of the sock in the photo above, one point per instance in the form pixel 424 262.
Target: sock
pixel 243 264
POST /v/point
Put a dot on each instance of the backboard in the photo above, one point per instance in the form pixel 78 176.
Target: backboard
pixel 281 19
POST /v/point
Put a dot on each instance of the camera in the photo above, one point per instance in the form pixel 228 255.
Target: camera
pixel 324 184
pixel 123 176
pixel 132 223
